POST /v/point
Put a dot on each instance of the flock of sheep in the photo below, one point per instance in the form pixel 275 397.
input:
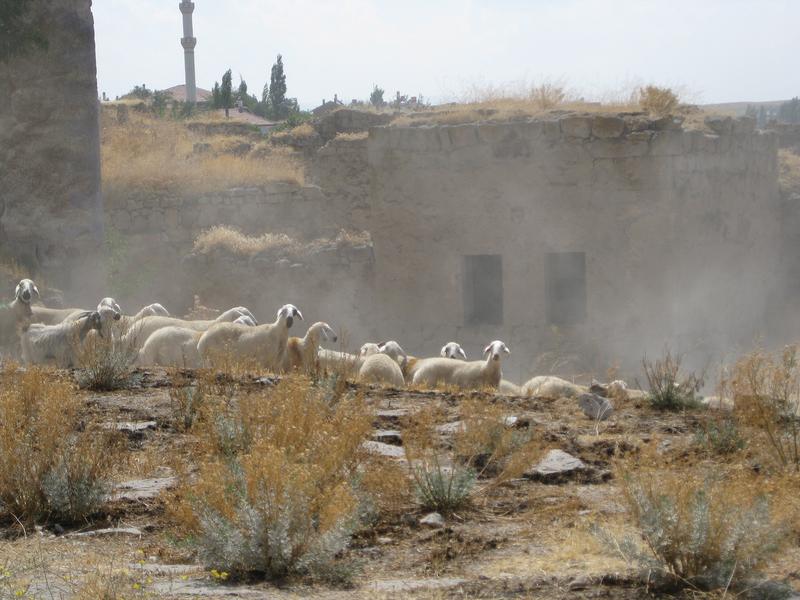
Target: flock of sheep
pixel 55 336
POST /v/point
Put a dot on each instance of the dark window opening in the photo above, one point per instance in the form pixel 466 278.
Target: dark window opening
pixel 483 289
pixel 566 288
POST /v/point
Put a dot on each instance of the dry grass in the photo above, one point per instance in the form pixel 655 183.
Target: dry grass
pixel 227 239
pixel 352 136
pixel 657 101
pixel 789 175
pixel 105 363
pixel 765 389
pixel 147 152
pixel 275 493
pixel 302 131
pixel 49 468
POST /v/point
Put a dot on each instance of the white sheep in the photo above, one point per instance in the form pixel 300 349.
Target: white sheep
pixel 467 375
pixel 381 368
pixel 507 388
pixel 453 350
pixel 171 347
pixel 333 361
pixel 368 349
pixel 550 386
pixel 245 320
pixel 142 329
pixel 17 314
pixel 302 353
pixel 265 344
pixel 57 344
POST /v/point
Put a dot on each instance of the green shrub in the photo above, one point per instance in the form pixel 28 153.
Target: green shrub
pixel 669 389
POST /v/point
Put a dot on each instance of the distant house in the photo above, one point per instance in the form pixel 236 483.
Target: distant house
pixel 178 92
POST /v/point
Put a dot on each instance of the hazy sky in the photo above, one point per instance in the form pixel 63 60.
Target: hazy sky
pixel 715 50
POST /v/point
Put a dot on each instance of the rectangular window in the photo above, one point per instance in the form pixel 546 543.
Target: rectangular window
pixel 566 288
pixel 483 289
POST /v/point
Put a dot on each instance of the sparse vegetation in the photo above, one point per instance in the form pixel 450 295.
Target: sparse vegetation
pixel 104 363
pixel 669 388
pixel 50 470
pixel 789 173
pixel 658 101
pixel 712 531
pixel 765 389
pixel 275 493
pixel 721 437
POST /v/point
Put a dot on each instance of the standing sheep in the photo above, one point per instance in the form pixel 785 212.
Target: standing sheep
pixel 381 368
pixel 467 375
pixel 17 314
pixel 171 347
pixel 302 353
pixel 57 344
pixel 264 343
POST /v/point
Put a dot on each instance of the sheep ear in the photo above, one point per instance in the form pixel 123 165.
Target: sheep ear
pixel 443 351
pixel 298 314
pixel 487 349
pixel 36 291
pixel 506 350
pixel 87 313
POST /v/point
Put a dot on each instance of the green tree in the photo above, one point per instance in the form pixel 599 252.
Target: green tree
pixel 376 97
pixel 789 112
pixel 226 92
pixel 216 100
pixel 762 117
pixel 277 89
pixel 160 101
pixel 241 93
pixel 19 29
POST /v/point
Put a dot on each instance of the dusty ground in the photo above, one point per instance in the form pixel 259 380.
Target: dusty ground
pixel 525 538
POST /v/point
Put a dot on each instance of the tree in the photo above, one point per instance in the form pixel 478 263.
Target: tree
pixel 226 92
pixel 19 31
pixel 277 88
pixel 241 94
pixel 160 101
pixel 376 97
pixel 762 117
pixel 789 112
pixel 216 101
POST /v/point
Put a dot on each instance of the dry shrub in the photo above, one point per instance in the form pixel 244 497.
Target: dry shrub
pixel 49 469
pixel 440 484
pixel 105 362
pixel 156 153
pixel 708 530
pixel 228 239
pixel 275 493
pixel 658 101
pixel 670 388
pixel 487 442
pixel 789 174
pixel 765 389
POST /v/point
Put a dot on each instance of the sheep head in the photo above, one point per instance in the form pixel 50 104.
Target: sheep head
pixel 111 304
pixel 369 349
pixel 89 321
pixel 155 310
pixel 26 290
pixel 495 350
pixel 393 349
pixel 323 329
pixel 453 350
pixel 287 313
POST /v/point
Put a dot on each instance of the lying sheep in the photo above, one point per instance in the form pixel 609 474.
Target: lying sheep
pixel 453 350
pixel 171 347
pixel 333 361
pixel 549 386
pixel 467 375
pixel 381 368
pixel 17 314
pixel 57 344
pixel 265 343
pixel 302 353
pixel 506 388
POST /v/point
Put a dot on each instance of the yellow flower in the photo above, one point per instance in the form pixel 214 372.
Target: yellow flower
pixel 19 593
pixel 223 576
pixel 137 586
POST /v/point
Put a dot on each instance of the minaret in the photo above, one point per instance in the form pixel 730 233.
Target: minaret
pixel 188 41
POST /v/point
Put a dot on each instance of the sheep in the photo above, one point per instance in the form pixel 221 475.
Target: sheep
pixel 467 375
pixel 549 386
pixel 302 353
pixel 56 344
pixel 381 368
pixel 265 343
pixel 171 347
pixel 453 350
pixel 54 316
pixel 141 330
pixel 17 314
pixel 506 388
pixel 333 361
pixel 368 349
pixel 245 320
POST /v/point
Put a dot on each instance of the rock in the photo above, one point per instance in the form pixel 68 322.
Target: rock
pixel 434 520
pixel 382 449
pixel 576 127
pixel 719 125
pixel 408 585
pixel 134 430
pixel 556 466
pixel 608 127
pixel 595 407
pixel 450 428
pixel 142 489
pixel 511 421
pixel 388 436
pixel 108 531
pixel 383 541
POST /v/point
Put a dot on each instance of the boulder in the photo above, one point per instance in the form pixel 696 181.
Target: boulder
pixel 595 407
pixel 576 127
pixel 608 127
pixel 434 520
pixel 557 466
pixel 382 449
pixel 719 125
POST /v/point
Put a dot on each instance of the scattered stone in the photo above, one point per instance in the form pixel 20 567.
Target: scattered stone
pixel 108 531
pixel 160 569
pixel 385 540
pixel 393 415
pixel 142 489
pixel 434 520
pixel 270 381
pixel 134 430
pixel 408 585
pixel 511 421
pixel 195 587
pixel 382 449
pixel 388 436
pixel 557 466
pixel 450 428
pixel 596 407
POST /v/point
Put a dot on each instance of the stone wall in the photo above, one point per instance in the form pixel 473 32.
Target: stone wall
pixel 49 150
pixel 679 229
